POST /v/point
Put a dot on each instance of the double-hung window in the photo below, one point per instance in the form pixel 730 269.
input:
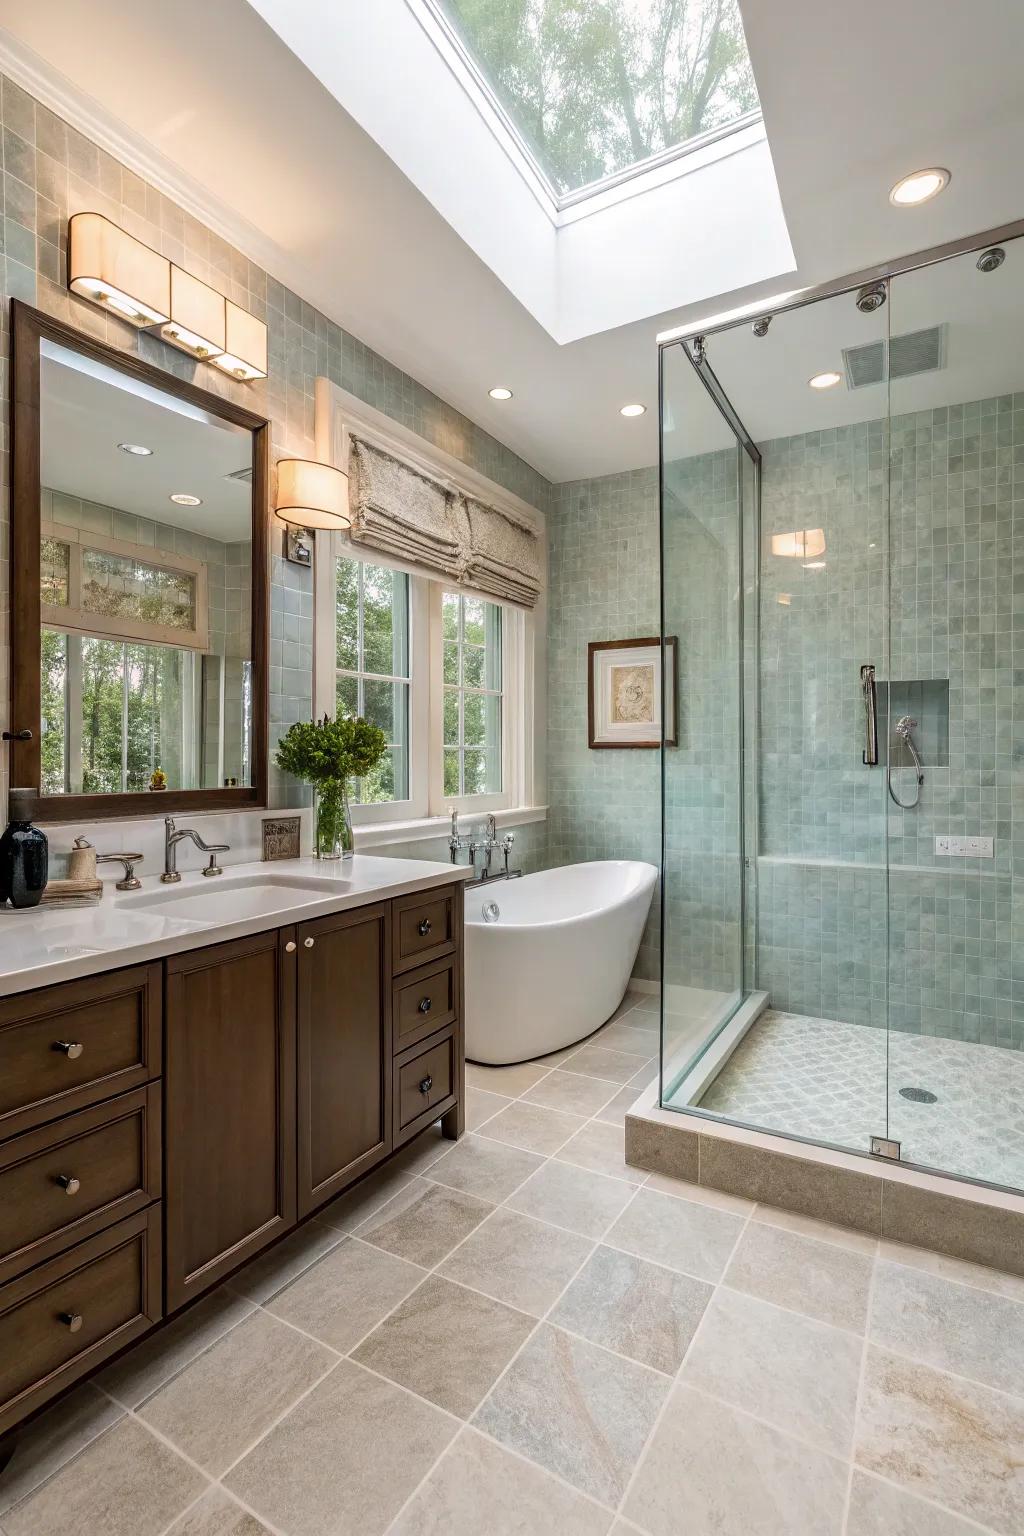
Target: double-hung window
pixel 372 645
pixel 473 693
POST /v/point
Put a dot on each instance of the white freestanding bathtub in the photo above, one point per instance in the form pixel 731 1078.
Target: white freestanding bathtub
pixel 554 962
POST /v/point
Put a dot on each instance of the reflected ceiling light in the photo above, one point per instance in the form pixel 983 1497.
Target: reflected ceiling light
pixel 815 565
pixel 827 380
pixel 137 449
pixel 245 349
pixel 919 187
pixel 117 272
pixel 632 410
pixel 801 545
pixel 312 495
pixel 784 599
pixel 183 499
pixel 197 323
pixel 499 392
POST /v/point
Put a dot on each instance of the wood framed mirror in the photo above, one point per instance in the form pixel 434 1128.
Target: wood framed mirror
pixel 139 583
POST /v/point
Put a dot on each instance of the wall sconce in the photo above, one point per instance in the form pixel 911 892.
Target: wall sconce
pixel 197 324
pixel 311 495
pixel 802 545
pixel 117 271
pixel 245 346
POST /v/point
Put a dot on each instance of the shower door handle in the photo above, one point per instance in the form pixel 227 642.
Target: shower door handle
pixel 867 683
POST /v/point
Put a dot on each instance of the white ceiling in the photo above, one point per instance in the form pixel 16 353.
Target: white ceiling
pixel 853 96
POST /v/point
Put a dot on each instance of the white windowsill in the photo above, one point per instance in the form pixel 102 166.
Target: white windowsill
pixel 380 833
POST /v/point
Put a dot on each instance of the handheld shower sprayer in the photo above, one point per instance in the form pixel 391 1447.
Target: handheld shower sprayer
pixel 903 728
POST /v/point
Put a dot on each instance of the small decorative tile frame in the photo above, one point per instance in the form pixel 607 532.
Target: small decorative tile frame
pixel 282 837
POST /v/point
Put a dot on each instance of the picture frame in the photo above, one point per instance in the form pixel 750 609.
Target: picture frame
pixel 625 693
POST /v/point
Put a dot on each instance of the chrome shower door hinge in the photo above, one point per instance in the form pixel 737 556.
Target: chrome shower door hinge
pixel 884 1146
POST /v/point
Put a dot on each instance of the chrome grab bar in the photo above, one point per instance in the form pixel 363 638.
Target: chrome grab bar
pixel 870 692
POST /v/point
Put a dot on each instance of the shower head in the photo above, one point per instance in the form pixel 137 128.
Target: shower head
pixel 871 297
pixel 903 727
pixel 992 259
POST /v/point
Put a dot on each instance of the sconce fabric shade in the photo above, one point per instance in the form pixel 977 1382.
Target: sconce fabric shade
pixel 118 272
pixel 311 495
pixel 197 324
pixel 245 347
pixel 803 544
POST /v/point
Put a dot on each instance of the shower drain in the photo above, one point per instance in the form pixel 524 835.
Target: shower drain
pixel 919 1095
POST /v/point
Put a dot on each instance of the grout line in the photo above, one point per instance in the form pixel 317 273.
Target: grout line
pixel 968 1520
pixel 861 1377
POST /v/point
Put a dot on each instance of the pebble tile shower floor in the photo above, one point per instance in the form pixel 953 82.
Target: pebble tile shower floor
pixel 520 1334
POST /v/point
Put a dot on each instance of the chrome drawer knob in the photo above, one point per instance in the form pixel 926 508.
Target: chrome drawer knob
pixel 71 1320
pixel 425 1005
pixel 290 947
pixel 426 1085
pixel 309 943
pixel 68 1183
pixel 424 927
pixel 71 1048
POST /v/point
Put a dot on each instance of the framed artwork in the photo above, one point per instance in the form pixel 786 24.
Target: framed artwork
pixel 624 695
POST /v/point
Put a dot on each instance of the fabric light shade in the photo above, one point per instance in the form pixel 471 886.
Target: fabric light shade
pixel 197 324
pixel 311 495
pixel 118 272
pixel 245 345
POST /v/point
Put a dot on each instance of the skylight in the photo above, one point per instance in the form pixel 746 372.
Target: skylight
pixel 596 89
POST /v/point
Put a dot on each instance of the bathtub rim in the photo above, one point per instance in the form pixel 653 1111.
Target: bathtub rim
pixel 594 914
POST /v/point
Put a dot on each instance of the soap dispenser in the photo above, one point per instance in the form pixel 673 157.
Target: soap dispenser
pixel 24 855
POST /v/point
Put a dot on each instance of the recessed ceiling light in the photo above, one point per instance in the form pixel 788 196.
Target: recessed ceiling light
pixel 137 449
pixel 632 410
pixel 919 187
pixel 826 380
pixel 183 499
pixel 499 392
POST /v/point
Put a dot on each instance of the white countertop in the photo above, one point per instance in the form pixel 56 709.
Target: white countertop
pixel 39 946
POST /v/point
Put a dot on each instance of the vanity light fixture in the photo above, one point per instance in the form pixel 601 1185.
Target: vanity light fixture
pixel 197 324
pixel 632 410
pixel 499 392
pixel 312 495
pixel 245 344
pixel 117 272
pixel 919 187
pixel 183 499
pixel 827 380
pixel 138 450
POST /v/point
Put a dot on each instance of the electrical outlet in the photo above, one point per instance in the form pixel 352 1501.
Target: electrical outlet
pixel 964 847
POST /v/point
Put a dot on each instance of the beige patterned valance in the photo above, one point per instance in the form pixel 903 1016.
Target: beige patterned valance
pixel 407 514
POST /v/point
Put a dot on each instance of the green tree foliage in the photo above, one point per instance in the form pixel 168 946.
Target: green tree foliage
pixel 597 85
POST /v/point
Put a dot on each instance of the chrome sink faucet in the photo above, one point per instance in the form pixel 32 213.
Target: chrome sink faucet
pixel 173 836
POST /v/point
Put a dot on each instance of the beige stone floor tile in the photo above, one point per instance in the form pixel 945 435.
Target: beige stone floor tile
pixel 155 1360
pixel 481 1105
pixel 573 1198
pixel 346 1294
pixel 615 1111
pixel 351 1209
pixel 217 1514
pixel 280 1264
pixel 685 1234
pixel 480 1166
pixel 627 1037
pixel 52 1439
pixel 602 1149
pixel 879 1509
pixel 611 1066
pixel 644 1078
pixel 446 1343
pixel 532 1127
pixel 950 1326
pixel 480 1489
pixel 215 1408
pixel 788 1370
pixel 824 1231
pixel 944 1439
pixel 510 1081
pixel 126 1483
pixel 638 1309
pixel 346 1459
pixel 423 1151
pixel 818 1279
pixel 570 1092
pixel 517 1260
pixel 576 1410
pixel 424 1222
pixel 702 1194
pixel 979 1275
pixel 711 1469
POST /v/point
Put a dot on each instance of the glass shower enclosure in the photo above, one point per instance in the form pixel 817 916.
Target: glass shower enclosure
pixel 842 538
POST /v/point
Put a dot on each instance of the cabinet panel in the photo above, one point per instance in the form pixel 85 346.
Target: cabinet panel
pixel 424 1002
pixel 229 1103
pixel 344 1055
pixel 425 927
pixel 427 1080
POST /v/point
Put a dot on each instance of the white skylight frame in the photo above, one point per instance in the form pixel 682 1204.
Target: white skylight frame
pixel 448 41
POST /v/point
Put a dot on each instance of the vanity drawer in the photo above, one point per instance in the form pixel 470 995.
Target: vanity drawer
pixel 424 927
pixel 64 1047
pixel 426 1084
pixel 64 1182
pixel 63 1318
pixel 424 1002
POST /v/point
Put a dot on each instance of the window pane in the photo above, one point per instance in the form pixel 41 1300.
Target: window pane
pixel 451 717
pixel 54 559
pixel 347 609
pixel 492 665
pixel 117 585
pixel 52 744
pixel 473 623
pixel 451 662
pixel 155 675
pixel 102 703
pixel 451 772
pixel 348 697
pixel 385 621
pixel 384 706
pixel 473 719
pixel 476 777
pixel 473 666
pixel 450 615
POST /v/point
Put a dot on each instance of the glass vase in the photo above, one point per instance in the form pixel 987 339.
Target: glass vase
pixel 332 820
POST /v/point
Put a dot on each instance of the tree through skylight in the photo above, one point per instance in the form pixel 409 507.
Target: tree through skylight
pixel 597 86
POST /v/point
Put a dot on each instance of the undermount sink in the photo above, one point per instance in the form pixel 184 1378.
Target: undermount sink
pixel 229 900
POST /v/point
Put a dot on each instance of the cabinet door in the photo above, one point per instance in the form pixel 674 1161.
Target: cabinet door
pixel 229 1106
pixel 344 1058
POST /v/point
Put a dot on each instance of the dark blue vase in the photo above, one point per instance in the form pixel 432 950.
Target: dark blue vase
pixel 24 855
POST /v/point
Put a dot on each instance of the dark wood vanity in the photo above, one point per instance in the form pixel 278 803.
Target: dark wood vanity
pixel 161 1124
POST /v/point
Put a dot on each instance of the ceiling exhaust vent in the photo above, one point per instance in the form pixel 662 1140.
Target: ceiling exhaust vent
pixel 244 475
pixel 916 352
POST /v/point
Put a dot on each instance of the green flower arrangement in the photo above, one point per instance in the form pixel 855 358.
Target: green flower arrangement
pixel 328 754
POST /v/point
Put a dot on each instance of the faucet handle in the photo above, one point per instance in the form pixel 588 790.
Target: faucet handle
pixel 507 841
pixel 131 882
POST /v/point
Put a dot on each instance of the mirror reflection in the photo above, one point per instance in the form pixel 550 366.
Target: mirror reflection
pixel 145 566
